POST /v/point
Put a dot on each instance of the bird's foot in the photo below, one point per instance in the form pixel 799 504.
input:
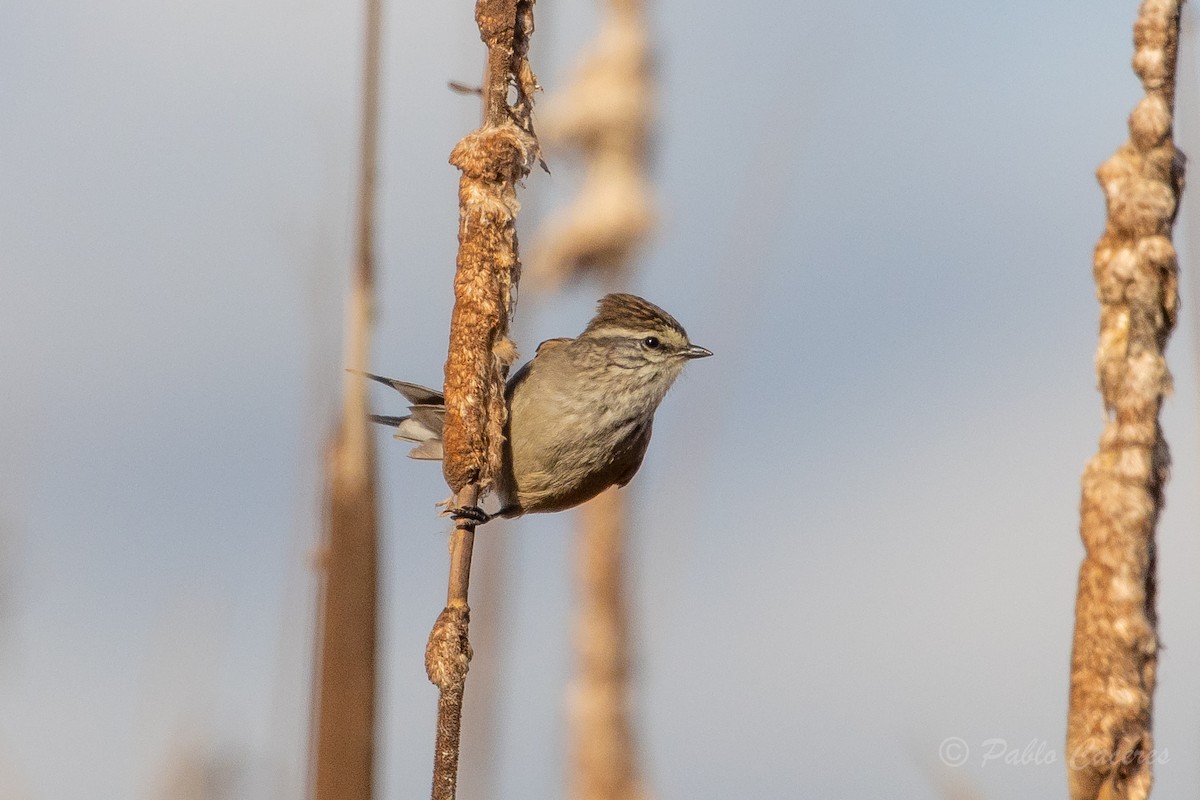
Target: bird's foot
pixel 470 515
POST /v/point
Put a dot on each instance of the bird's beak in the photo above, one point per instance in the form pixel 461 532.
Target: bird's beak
pixel 696 351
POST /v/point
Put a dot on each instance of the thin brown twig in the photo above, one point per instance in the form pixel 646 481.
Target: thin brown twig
pixel 1115 655
pixel 461 88
pixel 479 741
pixel 448 655
pixel 492 160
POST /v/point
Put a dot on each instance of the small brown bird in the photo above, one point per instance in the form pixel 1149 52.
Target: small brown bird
pixel 579 414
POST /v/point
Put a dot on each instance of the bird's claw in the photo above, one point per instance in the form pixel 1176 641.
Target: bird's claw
pixel 473 515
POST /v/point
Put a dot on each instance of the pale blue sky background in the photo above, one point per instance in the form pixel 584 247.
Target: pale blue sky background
pixel 856 527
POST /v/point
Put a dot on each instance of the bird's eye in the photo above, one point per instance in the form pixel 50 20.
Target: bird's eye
pixel 652 342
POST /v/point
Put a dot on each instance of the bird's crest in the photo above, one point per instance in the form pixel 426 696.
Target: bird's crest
pixel 623 311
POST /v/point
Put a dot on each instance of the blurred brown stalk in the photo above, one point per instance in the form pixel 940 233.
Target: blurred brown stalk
pixel 1114 660
pixel 344 679
pixel 604 763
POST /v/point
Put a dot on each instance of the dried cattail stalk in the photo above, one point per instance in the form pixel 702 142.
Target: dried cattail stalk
pixel 1115 652
pixel 344 681
pixel 603 752
pixel 605 113
pixel 492 160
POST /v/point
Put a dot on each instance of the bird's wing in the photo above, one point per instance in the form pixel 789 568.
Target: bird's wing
pixel 551 343
pixel 518 377
pixel 633 461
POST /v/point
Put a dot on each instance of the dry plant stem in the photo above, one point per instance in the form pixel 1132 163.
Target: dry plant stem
pixel 492 160
pixel 1113 663
pixel 603 754
pixel 448 656
pixel 343 746
pixel 479 742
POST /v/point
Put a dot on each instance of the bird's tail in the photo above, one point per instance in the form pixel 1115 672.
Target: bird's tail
pixel 423 425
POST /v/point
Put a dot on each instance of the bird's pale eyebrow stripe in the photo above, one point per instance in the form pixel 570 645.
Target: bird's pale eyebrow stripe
pixel 626 333
pixel 619 332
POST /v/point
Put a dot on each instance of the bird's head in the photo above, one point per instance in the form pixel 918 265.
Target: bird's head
pixel 639 343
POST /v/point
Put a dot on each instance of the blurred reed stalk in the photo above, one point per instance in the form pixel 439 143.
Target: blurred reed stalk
pixel 492 160
pixel 604 760
pixel 344 679
pixel 1113 664
pixel 604 114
